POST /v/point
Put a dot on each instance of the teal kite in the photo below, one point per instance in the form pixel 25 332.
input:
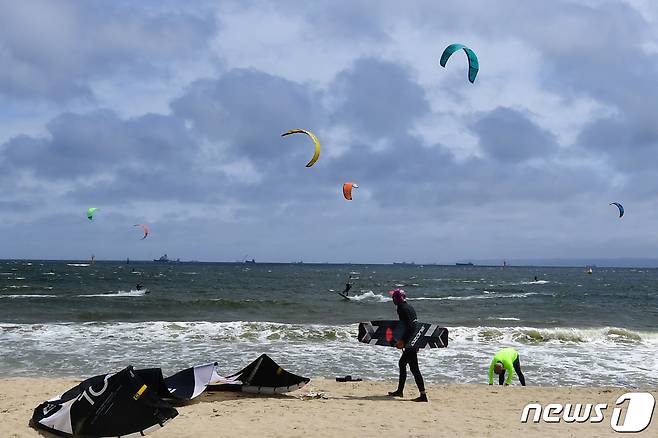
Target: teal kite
pixel 473 64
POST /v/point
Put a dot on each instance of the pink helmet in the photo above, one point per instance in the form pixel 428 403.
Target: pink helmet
pixel 398 295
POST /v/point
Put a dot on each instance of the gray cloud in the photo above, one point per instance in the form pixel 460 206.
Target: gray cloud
pixel 508 135
pixel 379 98
pixel 215 179
pixel 84 145
pixel 157 158
pixel 248 111
pixel 52 51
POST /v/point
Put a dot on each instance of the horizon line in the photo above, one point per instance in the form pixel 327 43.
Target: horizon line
pixel 527 263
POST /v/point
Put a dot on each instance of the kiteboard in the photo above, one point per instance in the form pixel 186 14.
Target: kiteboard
pixel 348 298
pixel 387 333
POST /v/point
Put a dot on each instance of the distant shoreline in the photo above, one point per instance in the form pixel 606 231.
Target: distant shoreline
pixel 596 264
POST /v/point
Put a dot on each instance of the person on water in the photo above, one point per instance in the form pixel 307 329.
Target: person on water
pixel 407 316
pixel 506 359
pixel 140 286
pixel 348 286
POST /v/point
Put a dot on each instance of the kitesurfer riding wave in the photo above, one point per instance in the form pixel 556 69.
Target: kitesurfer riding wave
pixel 348 286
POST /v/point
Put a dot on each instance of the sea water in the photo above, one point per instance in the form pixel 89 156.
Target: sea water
pixel 570 327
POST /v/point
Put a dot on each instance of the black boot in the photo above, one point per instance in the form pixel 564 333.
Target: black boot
pixel 396 393
pixel 421 398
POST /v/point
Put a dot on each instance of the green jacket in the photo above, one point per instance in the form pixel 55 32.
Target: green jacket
pixel 506 356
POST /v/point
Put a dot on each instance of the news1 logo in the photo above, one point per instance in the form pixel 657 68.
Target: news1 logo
pixel 638 412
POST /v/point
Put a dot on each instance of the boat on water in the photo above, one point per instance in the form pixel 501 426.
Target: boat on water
pixel 464 264
pixel 250 262
pixel 165 259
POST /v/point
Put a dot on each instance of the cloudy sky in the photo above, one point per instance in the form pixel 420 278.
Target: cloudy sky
pixel 170 113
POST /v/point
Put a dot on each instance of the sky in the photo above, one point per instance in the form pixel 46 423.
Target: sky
pixel 170 113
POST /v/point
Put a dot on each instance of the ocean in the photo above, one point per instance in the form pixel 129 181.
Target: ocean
pixel 62 318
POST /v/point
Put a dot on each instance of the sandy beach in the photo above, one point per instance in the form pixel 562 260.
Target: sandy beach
pixel 349 410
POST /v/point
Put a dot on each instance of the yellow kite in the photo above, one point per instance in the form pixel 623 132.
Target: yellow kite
pixel 316 155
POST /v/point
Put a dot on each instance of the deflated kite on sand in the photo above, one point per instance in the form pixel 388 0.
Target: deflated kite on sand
pixel 132 401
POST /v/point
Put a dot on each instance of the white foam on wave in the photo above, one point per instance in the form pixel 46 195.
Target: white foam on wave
pixel 453 280
pixel 592 357
pixel 370 296
pixel 27 296
pixel 589 357
pixel 520 283
pixel 121 293
pixel 78 265
pixel 185 331
pixel 560 335
pixel 487 295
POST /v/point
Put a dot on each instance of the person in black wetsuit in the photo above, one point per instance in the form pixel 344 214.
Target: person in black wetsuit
pixel 348 286
pixel 407 316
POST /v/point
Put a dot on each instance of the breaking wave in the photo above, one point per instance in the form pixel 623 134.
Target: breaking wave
pixel 121 293
pixel 327 350
pixel 531 335
pixel 487 295
pixel 256 330
pixel 370 296
pixel 27 296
